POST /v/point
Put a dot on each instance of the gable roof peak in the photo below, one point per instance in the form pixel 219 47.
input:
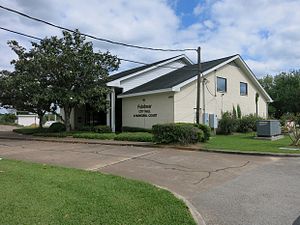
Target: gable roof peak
pixel 144 67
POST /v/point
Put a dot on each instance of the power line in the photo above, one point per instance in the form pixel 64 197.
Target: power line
pixel 209 91
pixel 94 37
pixel 149 64
pixel 122 59
pixel 19 33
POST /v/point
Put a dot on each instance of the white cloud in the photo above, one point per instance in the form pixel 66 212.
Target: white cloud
pixel 265 32
pixel 197 10
pixel 148 23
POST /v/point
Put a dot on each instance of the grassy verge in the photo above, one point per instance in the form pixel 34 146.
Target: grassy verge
pixel 29 131
pixel 246 142
pixel 40 194
pixel 58 135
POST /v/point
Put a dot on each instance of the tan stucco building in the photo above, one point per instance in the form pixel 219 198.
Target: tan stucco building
pixel 166 91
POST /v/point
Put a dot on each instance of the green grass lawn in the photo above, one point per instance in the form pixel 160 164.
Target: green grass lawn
pixel 39 194
pixel 246 142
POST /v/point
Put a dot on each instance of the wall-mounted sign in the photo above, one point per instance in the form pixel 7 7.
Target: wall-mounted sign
pixel 144 110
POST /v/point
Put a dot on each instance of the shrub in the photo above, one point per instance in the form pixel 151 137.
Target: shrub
pixel 227 125
pixel 86 128
pixel 206 131
pixel 238 111
pixel 8 119
pixel 234 113
pixel 294 134
pixel 92 135
pixel 177 133
pixel 57 127
pixel 248 123
pixel 102 129
pixel 134 136
pixel 136 129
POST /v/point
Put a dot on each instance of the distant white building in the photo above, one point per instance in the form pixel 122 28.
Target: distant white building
pixel 28 120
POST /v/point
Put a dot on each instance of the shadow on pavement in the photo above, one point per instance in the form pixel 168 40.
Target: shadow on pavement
pixel 297 221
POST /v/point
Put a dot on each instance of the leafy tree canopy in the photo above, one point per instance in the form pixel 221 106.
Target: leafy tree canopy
pixel 64 71
pixel 27 88
pixel 284 89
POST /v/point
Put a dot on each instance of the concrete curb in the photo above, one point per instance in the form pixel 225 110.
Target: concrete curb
pixel 236 152
pixel 145 145
pixel 254 153
pixel 194 212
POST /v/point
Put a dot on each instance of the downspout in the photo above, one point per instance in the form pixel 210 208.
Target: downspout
pixel 215 78
pixel 203 97
pixel 267 112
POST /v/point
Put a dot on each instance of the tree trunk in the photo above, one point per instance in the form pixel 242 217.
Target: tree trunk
pixel 41 115
pixel 67 111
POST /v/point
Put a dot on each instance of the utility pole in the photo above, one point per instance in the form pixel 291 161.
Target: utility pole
pixel 198 110
pixel 203 97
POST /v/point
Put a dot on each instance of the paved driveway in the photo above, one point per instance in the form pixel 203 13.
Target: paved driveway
pixel 225 189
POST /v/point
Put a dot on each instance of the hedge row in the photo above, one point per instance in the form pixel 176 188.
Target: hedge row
pixel 136 129
pixel 135 136
pixel 58 135
pixel 97 129
pixel 30 130
pixel 92 135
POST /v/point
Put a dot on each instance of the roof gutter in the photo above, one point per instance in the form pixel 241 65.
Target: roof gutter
pixel 145 93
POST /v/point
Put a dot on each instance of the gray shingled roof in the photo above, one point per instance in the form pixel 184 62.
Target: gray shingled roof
pixel 176 77
pixel 137 69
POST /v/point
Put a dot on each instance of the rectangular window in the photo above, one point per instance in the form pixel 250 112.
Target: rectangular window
pixel 243 88
pixel 221 84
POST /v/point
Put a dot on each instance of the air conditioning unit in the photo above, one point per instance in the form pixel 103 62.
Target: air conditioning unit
pixel 268 128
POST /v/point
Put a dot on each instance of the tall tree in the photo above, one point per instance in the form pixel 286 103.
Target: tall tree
pixel 77 74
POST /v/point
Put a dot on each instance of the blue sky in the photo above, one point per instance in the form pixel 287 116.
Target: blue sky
pixel 186 11
pixel 266 33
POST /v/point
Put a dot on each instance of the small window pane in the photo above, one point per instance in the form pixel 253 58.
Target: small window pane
pixel 221 84
pixel 243 88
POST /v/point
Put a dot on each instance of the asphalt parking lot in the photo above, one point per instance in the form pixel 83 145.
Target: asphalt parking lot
pixel 226 189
